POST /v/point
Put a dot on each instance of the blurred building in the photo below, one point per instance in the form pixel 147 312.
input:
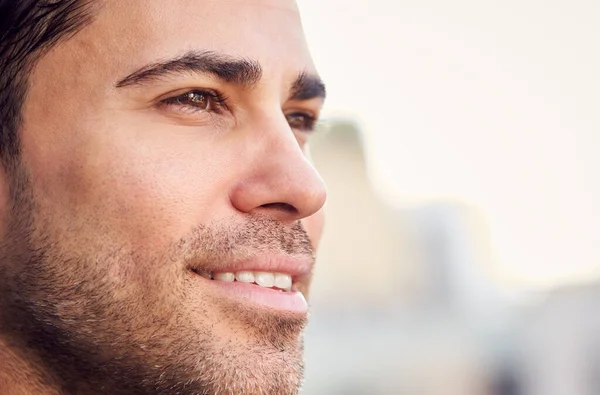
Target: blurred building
pixel 360 253
pixel 401 300
pixel 560 343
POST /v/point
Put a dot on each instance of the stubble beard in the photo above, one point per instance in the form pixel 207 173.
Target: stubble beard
pixel 93 324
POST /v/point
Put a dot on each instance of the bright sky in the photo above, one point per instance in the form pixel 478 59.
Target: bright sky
pixel 495 103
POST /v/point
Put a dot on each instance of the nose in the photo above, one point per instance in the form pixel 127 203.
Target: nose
pixel 278 179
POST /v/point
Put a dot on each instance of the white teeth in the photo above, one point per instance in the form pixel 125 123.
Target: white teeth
pixel 245 277
pixel 283 281
pixel 227 277
pixel 264 279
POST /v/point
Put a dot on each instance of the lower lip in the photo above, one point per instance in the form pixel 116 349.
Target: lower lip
pixel 293 301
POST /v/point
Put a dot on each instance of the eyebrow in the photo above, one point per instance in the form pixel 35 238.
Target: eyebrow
pixel 239 71
pixel 307 86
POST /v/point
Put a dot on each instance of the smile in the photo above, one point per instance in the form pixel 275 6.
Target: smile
pixel 277 281
pixel 270 290
pixel 269 281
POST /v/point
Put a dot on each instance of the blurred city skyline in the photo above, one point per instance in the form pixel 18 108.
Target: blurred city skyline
pixel 404 301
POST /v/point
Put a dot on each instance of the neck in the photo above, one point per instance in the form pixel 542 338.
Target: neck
pixel 19 374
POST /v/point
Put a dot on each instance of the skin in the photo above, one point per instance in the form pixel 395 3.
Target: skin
pixel 117 193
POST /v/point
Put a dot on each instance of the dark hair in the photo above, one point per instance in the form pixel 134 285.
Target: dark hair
pixel 28 28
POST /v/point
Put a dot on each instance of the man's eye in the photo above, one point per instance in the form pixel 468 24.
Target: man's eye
pixel 198 100
pixel 301 121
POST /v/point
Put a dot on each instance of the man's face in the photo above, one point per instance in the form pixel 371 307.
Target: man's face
pixel 163 144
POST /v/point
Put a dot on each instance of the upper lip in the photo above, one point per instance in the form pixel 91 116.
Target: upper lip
pixel 272 263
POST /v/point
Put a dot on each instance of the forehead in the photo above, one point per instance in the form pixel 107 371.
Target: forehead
pixel 134 32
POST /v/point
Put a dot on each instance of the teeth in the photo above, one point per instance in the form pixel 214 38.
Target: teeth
pixel 263 279
pixel 227 277
pixel 245 277
pixel 283 281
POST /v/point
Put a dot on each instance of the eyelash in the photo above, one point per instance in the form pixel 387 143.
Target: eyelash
pixel 216 103
pixel 307 126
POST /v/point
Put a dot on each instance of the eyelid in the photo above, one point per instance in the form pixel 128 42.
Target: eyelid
pixel 312 119
pixel 174 102
pixel 212 93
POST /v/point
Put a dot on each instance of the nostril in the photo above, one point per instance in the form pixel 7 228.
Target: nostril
pixel 286 208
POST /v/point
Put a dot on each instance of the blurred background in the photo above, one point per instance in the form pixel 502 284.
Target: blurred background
pixel 460 147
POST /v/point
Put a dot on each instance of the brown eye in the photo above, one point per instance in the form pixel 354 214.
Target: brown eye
pixel 301 121
pixel 198 100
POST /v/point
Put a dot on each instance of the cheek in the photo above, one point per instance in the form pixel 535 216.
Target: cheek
pixel 137 182
pixel 314 227
pixel 162 192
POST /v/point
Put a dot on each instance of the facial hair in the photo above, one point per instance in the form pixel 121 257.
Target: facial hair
pixel 92 322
